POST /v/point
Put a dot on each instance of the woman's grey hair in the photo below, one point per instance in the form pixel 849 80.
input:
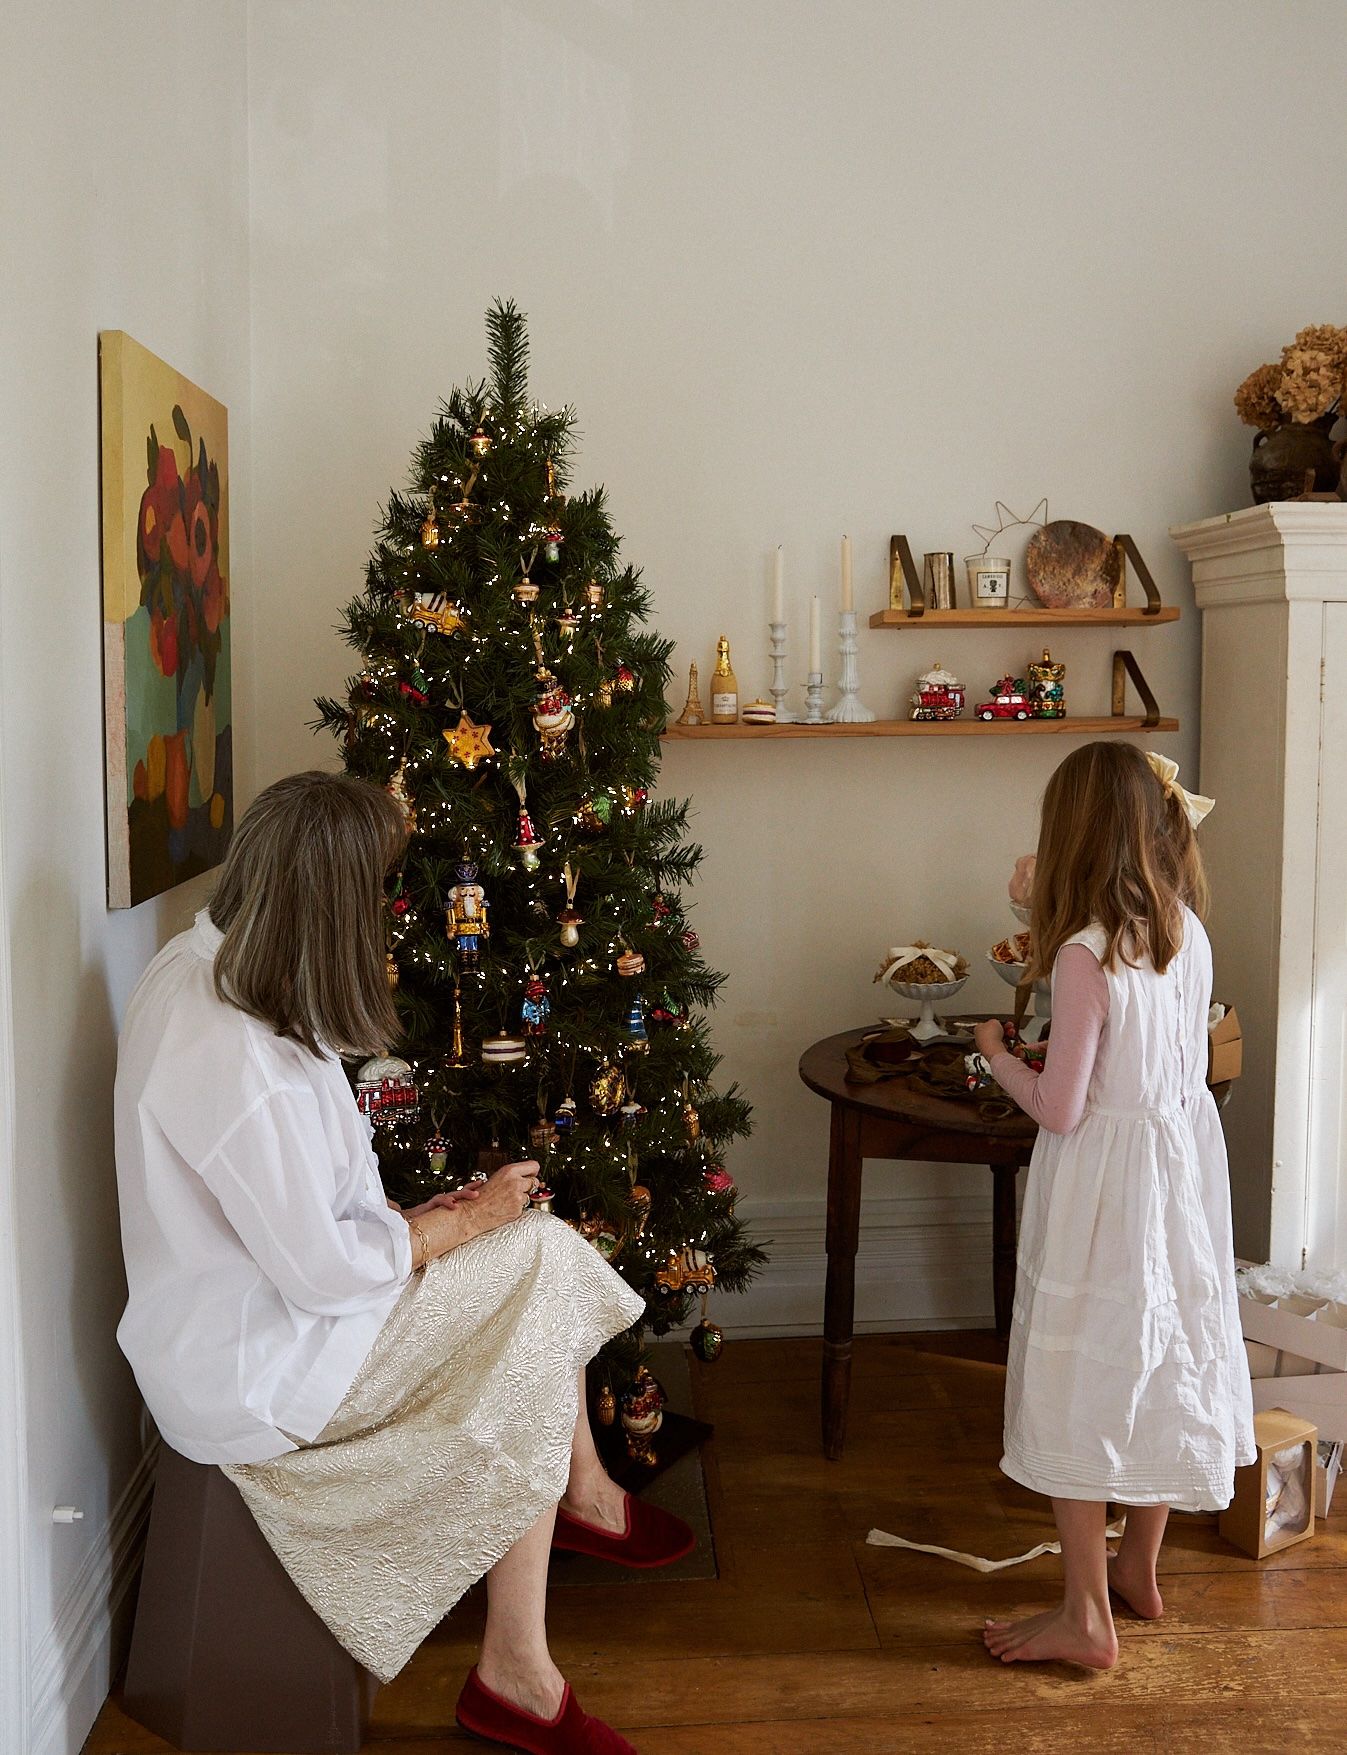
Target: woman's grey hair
pixel 300 902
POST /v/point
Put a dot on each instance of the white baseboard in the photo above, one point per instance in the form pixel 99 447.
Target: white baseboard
pixel 924 1262
pixel 73 1667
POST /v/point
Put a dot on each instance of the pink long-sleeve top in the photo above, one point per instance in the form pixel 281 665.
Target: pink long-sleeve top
pixel 1055 1097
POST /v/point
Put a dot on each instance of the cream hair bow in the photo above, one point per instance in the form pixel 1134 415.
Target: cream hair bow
pixel 1167 773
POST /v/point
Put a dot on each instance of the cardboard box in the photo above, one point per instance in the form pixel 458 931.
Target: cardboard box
pixel 1326 1468
pixel 1321 1399
pixel 1225 1049
pixel 1245 1521
pixel 1309 1332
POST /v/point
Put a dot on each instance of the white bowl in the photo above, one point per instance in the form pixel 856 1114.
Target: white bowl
pixel 925 994
pixel 1013 974
pixel 1021 911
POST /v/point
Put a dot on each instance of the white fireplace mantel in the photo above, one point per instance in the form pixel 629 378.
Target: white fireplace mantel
pixel 1271 582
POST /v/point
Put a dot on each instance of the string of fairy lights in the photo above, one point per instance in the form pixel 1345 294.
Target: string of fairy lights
pixel 426 660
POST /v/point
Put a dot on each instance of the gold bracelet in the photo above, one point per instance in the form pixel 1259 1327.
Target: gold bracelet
pixel 418 1233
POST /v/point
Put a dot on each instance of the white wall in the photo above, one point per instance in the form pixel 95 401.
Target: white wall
pixel 123 204
pixel 803 269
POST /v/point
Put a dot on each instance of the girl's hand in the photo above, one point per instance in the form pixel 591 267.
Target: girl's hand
pixel 990 1037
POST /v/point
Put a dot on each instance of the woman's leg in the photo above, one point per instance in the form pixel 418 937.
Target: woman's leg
pixel 590 1494
pixel 1081 1630
pixel 1132 1571
pixel 515 1662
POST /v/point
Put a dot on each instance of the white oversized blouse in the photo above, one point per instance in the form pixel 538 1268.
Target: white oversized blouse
pixel 261 1258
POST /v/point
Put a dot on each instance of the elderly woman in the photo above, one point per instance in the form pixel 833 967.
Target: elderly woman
pixel 396 1395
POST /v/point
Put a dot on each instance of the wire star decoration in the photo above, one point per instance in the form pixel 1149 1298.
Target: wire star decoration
pixel 468 742
pixel 1007 520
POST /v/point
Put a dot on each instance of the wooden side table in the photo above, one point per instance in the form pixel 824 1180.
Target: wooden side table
pixel 884 1120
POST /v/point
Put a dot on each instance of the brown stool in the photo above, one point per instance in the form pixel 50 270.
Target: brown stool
pixel 226 1654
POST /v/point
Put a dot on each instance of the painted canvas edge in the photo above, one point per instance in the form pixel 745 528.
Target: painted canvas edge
pixel 112 486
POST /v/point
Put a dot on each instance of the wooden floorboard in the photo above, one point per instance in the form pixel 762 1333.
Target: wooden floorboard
pixel 812 1642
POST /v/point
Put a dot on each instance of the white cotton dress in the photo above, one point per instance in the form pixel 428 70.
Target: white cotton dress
pixel 1126 1378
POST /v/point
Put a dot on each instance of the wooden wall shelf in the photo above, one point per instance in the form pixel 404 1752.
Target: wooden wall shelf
pixel 1103 727
pixel 1022 618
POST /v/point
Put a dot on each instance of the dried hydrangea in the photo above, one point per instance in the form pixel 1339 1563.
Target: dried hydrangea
pixel 1311 382
pixel 1256 399
pixel 1324 338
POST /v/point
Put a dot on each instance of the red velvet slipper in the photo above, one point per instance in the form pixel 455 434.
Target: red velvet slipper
pixel 571 1732
pixel 652 1537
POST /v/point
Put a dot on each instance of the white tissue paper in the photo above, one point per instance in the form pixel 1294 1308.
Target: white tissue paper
pixel 1287 1504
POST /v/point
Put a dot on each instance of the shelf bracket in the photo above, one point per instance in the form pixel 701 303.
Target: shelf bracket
pixel 903 571
pixel 1125 665
pixel 1128 551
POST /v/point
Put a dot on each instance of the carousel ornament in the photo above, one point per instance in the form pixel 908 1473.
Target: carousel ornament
pixel 542 1136
pixel 466 915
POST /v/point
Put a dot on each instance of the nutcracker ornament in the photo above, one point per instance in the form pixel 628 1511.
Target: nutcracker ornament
pixel 466 914
pixel 536 1006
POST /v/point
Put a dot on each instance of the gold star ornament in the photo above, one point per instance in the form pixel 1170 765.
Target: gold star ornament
pixel 469 743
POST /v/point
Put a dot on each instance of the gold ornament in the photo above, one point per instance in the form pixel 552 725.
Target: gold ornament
pixel 594 594
pixel 430 530
pixel 641 1202
pixel 607 1089
pixel 692 1122
pixel 469 743
pixel 391 970
pixel 605 1406
pixel 693 713
pixel 525 591
pixel 457 1057
pixel 480 441
pixel 603 695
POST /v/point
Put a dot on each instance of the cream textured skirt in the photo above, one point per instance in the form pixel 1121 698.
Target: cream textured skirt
pixel 453 1440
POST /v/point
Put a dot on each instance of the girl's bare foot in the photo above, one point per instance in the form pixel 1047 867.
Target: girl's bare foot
pixel 1140 1592
pixel 1054 1637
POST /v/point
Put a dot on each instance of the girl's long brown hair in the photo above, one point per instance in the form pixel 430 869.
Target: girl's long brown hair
pixel 1114 849
pixel 300 903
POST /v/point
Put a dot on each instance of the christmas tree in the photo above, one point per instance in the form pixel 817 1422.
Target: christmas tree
pixel 548 980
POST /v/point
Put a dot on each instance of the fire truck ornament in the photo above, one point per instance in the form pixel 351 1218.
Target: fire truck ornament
pixel 385 1090
pixel 938 695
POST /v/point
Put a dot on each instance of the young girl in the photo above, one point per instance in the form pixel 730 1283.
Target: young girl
pixel 1126 1379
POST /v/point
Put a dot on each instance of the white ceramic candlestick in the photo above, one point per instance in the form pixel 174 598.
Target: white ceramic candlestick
pixel 813 693
pixel 849 709
pixel 779 689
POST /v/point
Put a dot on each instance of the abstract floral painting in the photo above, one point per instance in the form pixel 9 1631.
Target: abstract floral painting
pixel 166 631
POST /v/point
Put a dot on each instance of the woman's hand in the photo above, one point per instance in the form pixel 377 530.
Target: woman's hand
pixel 453 1197
pixel 504 1196
pixel 989 1037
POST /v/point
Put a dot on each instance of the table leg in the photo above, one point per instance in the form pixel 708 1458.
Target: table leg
pixel 1003 1243
pixel 839 1310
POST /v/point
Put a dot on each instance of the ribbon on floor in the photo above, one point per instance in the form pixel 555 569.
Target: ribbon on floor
pixel 882 1539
